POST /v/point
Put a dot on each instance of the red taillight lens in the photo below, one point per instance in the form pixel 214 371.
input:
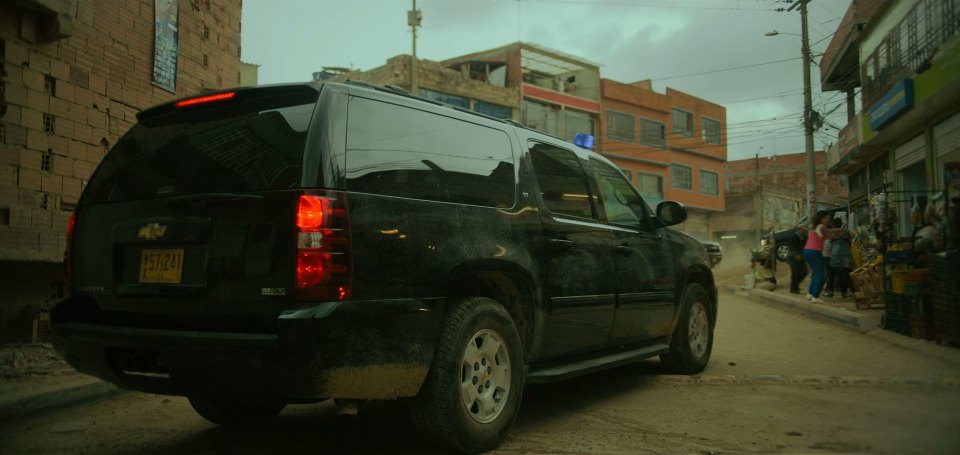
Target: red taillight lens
pixel 67 254
pixel 205 99
pixel 324 269
pixel 310 212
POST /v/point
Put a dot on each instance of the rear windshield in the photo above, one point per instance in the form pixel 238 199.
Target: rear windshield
pixel 254 144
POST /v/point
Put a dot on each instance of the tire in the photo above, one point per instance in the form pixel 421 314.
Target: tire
pixel 235 411
pixel 783 252
pixel 692 341
pixel 461 405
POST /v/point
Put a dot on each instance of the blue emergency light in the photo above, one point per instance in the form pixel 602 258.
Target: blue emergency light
pixel 584 140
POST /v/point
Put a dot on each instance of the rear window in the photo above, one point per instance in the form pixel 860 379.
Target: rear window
pixel 254 143
pixel 398 151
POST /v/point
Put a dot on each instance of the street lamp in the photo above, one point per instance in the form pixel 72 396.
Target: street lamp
pixel 807 109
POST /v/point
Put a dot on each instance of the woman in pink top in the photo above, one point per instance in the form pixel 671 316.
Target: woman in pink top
pixel 813 254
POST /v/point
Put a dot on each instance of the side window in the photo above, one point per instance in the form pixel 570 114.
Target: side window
pixel 620 202
pixel 563 184
pixel 404 152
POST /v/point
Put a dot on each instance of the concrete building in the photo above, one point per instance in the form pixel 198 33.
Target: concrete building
pixel 249 74
pixel 545 89
pixel 440 82
pixel 905 140
pixel 767 193
pixel 75 73
pixel 671 145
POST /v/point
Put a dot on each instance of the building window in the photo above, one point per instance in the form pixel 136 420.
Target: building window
pixel 682 123
pixel 447 98
pixel 50 85
pixel 620 126
pixel 711 131
pixel 238 51
pixel 540 117
pixel 3 133
pixel 650 187
pixel 652 133
pixel 709 183
pixel 493 110
pixel 47 163
pixel 206 61
pixel 48 123
pixel 206 32
pixel 681 177
pixel 576 122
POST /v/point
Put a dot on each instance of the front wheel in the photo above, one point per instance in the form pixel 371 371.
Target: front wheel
pixel 472 393
pixel 783 252
pixel 235 411
pixel 692 341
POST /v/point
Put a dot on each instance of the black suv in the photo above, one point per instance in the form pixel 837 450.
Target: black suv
pixel 286 244
pixel 783 238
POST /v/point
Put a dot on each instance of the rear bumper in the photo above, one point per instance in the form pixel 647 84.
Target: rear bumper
pixel 364 350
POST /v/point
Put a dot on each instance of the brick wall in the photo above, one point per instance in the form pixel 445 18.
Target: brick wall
pixel 65 101
pixel 434 76
pixel 786 172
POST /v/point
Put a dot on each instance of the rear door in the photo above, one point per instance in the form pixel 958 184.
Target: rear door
pixel 578 265
pixel 189 222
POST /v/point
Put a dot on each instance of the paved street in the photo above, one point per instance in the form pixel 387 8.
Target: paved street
pixel 778 382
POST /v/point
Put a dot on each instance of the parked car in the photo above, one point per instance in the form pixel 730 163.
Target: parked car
pixel 258 247
pixel 714 252
pixel 782 237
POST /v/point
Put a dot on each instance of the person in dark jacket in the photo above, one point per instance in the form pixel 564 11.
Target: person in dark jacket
pixel 841 259
pixel 798 267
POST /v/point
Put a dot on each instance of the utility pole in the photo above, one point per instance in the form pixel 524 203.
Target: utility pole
pixel 808 115
pixel 413 20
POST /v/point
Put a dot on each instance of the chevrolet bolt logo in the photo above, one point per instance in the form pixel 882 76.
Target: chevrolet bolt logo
pixel 152 231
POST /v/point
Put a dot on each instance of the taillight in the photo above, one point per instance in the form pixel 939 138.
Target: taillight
pixel 67 253
pixel 205 99
pixel 324 269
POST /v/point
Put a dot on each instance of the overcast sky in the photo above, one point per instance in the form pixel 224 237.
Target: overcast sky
pixel 683 44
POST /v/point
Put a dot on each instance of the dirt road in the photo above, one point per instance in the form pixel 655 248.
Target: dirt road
pixel 777 383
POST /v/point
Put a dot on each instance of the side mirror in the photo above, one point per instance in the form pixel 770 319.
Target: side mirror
pixel 670 213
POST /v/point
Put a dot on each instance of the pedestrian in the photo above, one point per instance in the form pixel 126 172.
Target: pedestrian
pixel 813 254
pixel 841 258
pixel 798 268
pixel 829 278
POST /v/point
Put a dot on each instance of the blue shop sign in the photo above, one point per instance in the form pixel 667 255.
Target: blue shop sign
pixel 897 100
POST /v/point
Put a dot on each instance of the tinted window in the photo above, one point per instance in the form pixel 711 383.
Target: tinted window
pixel 398 151
pixel 493 110
pixel 563 184
pixel 621 204
pixel 254 145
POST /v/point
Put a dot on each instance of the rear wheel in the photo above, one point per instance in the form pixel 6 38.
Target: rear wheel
pixel 473 391
pixel 692 341
pixel 235 411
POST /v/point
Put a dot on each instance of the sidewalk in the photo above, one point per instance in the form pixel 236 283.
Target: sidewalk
pixel 843 312
pixel 33 377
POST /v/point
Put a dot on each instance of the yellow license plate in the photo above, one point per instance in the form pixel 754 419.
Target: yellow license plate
pixel 161 266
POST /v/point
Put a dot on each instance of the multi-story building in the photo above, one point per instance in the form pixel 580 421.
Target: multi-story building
pixel 904 56
pixel 768 193
pixel 671 145
pixel 75 73
pixel 545 89
pixel 439 82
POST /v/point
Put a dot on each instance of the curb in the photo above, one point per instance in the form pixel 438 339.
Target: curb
pixel 846 318
pixel 50 397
